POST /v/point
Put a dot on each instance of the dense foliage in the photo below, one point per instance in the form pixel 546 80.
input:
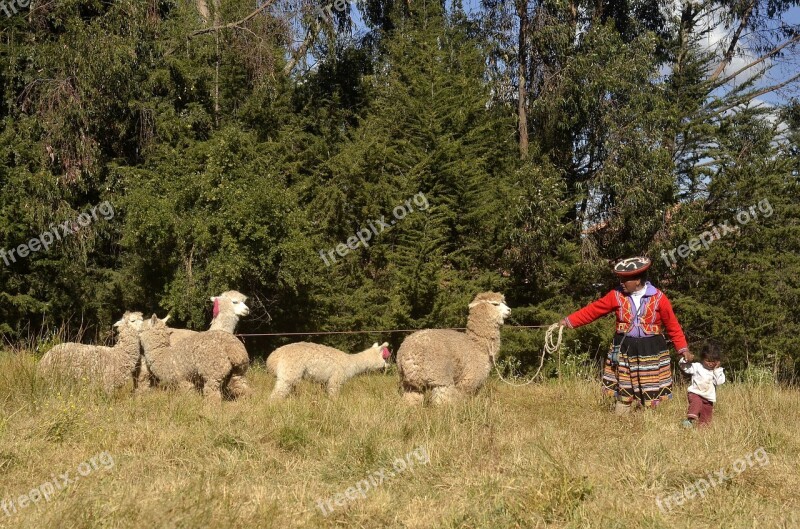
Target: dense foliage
pixel 235 157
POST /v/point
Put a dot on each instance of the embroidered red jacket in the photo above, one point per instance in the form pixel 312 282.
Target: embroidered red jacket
pixel 655 315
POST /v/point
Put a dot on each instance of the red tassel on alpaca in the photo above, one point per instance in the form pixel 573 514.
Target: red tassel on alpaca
pixel 216 307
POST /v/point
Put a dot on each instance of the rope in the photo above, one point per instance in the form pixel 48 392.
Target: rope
pixel 550 347
pixel 315 333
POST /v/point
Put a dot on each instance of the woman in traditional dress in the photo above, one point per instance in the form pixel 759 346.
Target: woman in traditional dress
pixel 637 368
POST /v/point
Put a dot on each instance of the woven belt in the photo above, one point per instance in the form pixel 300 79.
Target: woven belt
pixel 648 329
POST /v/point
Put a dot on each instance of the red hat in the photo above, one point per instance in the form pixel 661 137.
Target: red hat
pixel 632 266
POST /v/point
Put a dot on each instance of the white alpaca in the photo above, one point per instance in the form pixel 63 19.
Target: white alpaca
pixel 321 363
pixel 452 363
pixel 228 308
pixel 111 367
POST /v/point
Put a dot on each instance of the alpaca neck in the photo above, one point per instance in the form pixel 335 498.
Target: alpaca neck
pixel 358 363
pixel 225 321
pixel 156 346
pixel 128 347
pixel 485 334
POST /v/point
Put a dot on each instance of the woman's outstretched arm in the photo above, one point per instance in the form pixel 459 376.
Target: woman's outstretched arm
pixel 592 311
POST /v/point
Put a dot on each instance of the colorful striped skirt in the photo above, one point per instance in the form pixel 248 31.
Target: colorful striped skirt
pixel 640 370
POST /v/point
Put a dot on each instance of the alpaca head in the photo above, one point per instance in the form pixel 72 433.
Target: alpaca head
pixel 132 320
pixel 155 333
pixel 378 355
pixel 491 306
pixel 154 322
pixel 486 314
pixel 230 302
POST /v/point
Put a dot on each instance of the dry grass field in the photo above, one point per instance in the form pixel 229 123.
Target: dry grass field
pixel 545 455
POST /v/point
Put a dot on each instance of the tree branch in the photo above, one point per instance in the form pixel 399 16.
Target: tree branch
pixel 746 98
pixel 217 27
pixel 771 53
pixel 231 25
pixel 302 50
pixel 726 59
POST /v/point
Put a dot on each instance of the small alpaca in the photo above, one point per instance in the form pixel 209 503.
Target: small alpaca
pixel 321 363
pixel 228 308
pixel 111 367
pixel 452 363
pixel 206 359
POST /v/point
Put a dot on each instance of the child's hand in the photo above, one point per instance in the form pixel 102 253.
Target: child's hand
pixel 688 356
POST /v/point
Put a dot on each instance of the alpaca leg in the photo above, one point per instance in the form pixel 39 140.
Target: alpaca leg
pixel 413 398
pixel 147 385
pixel 212 391
pixel 443 394
pixel 139 386
pixel 142 379
pixel 334 385
pixel 186 386
pixel 237 387
pixel 282 389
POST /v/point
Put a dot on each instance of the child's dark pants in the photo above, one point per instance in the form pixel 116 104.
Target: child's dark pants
pixel 700 409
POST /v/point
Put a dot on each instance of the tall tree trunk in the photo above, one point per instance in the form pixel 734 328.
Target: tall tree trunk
pixel 573 15
pixel 522 74
pixel 687 24
pixel 202 8
pixel 300 54
pixel 217 22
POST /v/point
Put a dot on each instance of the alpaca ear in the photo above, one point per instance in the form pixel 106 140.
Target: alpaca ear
pixel 375 344
pixel 166 318
pixel 153 319
pixel 213 298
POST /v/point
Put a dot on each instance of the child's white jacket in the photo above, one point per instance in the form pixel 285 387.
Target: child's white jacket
pixel 704 381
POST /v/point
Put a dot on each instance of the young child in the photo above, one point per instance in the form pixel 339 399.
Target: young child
pixel 706 376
